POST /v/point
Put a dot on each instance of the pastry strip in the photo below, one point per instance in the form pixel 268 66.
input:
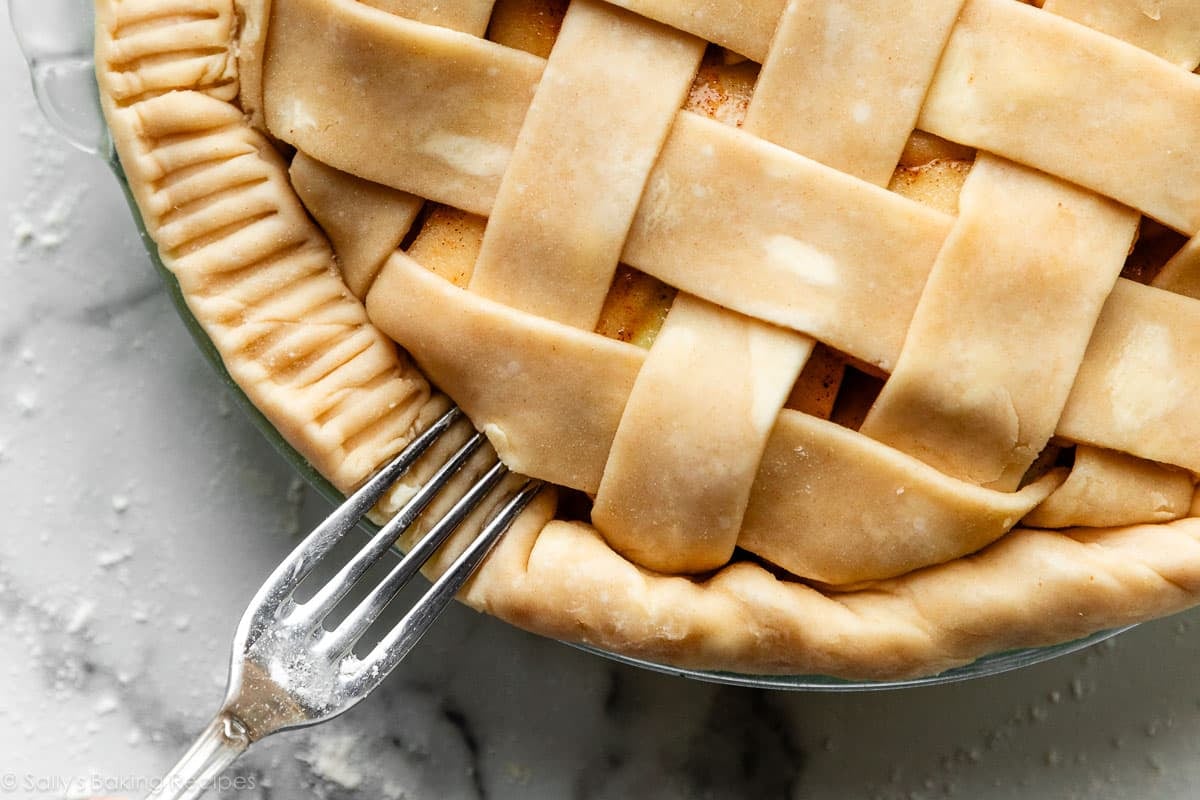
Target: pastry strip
pixel 841 87
pixel 468 16
pixel 1168 28
pixel 365 221
pixel 1040 90
pixel 685 454
pixel 1106 488
pixel 452 103
pixel 1136 388
pixel 984 374
pixel 835 506
pixel 611 90
pixel 750 226
pixel 742 27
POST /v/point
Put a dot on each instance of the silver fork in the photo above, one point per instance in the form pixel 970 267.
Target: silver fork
pixel 287 671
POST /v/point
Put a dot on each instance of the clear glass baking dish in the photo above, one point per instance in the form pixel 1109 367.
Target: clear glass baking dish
pixel 55 37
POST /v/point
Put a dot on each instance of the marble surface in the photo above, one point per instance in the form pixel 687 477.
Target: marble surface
pixel 140 510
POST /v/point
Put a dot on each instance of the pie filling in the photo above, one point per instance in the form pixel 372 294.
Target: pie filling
pixel 850 354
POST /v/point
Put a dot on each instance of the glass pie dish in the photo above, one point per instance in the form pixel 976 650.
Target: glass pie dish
pixel 56 40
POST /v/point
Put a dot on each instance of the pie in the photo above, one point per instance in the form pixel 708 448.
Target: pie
pixel 862 338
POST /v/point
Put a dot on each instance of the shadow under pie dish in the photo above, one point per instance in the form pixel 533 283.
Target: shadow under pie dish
pixel 854 355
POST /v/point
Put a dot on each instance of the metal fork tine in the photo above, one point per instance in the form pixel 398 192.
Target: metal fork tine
pixel 325 600
pixel 392 649
pixel 339 641
pixel 278 587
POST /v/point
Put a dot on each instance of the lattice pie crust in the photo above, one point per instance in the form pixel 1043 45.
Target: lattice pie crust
pixel 862 336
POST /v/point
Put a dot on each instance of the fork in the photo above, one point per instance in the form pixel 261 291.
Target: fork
pixel 287 671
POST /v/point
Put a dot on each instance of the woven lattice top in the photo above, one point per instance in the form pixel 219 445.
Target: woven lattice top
pixel 876 319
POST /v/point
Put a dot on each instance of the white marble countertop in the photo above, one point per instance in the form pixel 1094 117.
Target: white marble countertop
pixel 140 510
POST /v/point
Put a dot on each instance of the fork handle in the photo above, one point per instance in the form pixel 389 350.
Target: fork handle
pixel 219 746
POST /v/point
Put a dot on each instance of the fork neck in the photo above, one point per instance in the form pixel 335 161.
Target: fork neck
pixel 258 703
pixel 222 742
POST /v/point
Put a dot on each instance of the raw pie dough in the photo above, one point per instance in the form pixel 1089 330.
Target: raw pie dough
pixel 822 327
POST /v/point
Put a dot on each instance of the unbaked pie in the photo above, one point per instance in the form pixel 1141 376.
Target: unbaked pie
pixel 860 336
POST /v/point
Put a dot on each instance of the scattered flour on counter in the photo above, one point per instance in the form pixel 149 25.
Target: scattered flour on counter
pixel 46 217
pixel 44 229
pixel 393 791
pixel 106 559
pixel 224 408
pixel 27 401
pixel 329 757
pixel 22 230
pixel 518 774
pixel 106 704
pixel 81 616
